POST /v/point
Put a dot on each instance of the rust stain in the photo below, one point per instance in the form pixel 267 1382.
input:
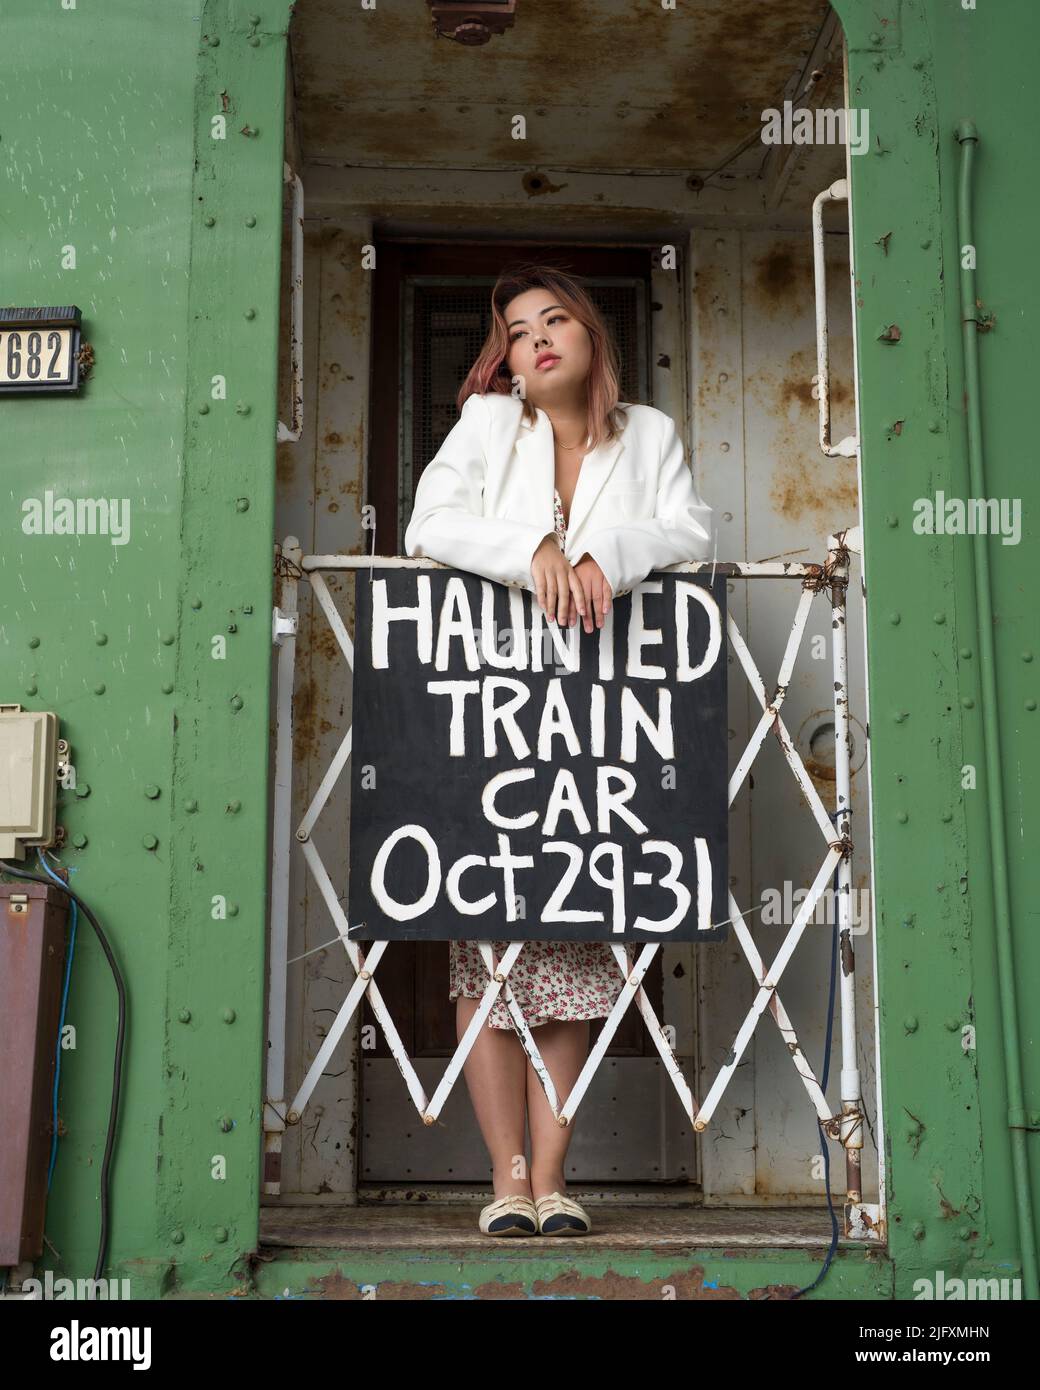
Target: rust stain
pixel 569 1284
pixel 782 275
pixel 801 490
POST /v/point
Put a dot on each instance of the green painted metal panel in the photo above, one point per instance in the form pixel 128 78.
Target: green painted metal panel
pixel 919 67
pixel 120 200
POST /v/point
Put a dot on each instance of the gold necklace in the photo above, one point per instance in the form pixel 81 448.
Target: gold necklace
pixel 571 446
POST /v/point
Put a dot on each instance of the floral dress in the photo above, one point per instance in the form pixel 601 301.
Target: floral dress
pixel 566 980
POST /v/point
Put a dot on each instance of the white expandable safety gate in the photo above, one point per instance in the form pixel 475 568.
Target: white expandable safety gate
pixel 830 579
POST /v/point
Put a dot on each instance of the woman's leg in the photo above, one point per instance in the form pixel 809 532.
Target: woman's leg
pixel 495 1074
pixel 564 1048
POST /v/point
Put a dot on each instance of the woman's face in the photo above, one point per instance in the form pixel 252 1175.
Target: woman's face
pixel 548 347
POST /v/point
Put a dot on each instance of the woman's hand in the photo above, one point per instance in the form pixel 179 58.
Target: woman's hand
pixel 597 592
pixel 557 588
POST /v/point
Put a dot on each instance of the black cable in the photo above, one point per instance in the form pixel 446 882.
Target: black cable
pixel 117 1078
pixel 823 1087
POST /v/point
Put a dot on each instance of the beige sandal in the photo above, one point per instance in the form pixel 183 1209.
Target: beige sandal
pixel 561 1216
pixel 510 1216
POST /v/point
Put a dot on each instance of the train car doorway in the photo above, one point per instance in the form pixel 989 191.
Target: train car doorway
pixel 697 240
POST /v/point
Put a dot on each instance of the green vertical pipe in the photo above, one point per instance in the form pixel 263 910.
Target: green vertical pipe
pixel 968 137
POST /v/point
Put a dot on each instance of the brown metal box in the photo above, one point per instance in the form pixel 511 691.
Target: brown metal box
pixel 32 951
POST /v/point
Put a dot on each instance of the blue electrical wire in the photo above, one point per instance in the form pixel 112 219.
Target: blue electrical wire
pixel 61 1021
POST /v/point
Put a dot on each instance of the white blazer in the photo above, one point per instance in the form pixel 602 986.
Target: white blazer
pixel 485 501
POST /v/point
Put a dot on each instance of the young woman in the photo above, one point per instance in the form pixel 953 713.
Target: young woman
pixel 549 483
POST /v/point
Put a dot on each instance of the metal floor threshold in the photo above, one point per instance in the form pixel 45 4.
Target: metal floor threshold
pixel 436 1225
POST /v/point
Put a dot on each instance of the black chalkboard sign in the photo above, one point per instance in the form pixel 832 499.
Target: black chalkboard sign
pixel 516 781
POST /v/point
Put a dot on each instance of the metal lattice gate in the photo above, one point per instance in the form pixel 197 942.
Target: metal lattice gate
pixel 828 580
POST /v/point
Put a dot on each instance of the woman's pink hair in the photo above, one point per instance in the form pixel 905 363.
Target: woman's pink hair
pixel 491 373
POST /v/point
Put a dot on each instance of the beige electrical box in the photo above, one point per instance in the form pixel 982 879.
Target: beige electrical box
pixel 28 779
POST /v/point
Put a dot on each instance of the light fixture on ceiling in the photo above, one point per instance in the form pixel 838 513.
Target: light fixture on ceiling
pixel 471 24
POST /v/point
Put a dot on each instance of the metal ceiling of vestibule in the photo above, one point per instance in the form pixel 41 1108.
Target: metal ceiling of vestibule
pixel 610 86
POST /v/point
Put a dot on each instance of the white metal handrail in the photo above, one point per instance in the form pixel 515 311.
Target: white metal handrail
pixel 831 579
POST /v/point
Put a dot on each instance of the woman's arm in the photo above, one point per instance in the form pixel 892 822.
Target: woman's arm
pixel 679 530
pixel 447 522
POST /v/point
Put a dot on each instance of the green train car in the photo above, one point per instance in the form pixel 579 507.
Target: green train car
pixel 248 248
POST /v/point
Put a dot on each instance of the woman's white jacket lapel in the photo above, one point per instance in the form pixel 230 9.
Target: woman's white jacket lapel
pixel 485 501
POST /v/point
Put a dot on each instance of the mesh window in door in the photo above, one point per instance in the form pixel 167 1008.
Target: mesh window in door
pixel 445 324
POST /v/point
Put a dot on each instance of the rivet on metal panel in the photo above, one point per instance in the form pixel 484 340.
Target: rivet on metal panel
pixel 1030 704
pixel 203 409
pixel 878 64
pixel 99 689
pixel 917 1230
pixel 940 618
pixel 220 1235
pixel 101 639
pixel 902 817
pixel 209 220
pixel 894 619
pixel 254 42
pixel 934 426
pixel 293 1117
pixel 82 789
pixel 233 808
pixel 900 716
pixel 250 314
pixel 926 243
pixel 727 516
pixel 237 702
pixel 917 64
pixel 952 1024
pixel 302 836
pixel 191 806
pixel 724 447
pixel 909 919
pixel 168 639
pixel 232 627
pixel 32 688
pixel 229 1015
pixel 227 1124
pixel 185 1015
pixel 910 1024
pixel 891 520
pixel 149 842
pixel 151 791
pixel 875 39
pixel 241 504
pixel 250 221
pixel 965 653
pixel 177 1237
pixel 243 408
pixel 34 641
pixel 249 131
pixel 167 687
pixel 80 841
pixel 968 702
pixel 947 816
pixel 1026 656
pixel 196 603
pixel 232 909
